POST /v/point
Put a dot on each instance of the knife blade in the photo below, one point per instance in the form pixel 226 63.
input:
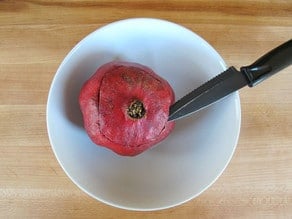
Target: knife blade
pixel 232 80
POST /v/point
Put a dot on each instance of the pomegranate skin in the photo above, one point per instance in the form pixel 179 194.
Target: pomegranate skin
pixel 125 107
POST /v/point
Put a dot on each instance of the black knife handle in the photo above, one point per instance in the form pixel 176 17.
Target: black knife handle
pixel 269 64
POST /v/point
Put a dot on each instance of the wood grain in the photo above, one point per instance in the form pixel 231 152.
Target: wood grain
pixel 36 36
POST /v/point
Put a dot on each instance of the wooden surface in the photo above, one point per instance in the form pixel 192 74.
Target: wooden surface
pixel 36 35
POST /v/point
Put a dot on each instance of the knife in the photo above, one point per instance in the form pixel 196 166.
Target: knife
pixel 232 80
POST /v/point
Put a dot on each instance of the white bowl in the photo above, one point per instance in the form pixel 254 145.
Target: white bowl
pixel 179 168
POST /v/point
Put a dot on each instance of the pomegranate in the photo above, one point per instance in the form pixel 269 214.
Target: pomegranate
pixel 125 107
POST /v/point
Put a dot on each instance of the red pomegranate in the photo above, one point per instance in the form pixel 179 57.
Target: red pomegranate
pixel 125 107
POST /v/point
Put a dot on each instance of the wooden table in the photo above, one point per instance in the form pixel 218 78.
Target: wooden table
pixel 35 36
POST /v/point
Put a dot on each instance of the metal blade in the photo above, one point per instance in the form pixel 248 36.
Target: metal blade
pixel 218 87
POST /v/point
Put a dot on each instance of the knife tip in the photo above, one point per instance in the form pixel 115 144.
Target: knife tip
pixel 172 117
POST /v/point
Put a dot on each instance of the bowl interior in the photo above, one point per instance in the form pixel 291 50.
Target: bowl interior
pixel 180 167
